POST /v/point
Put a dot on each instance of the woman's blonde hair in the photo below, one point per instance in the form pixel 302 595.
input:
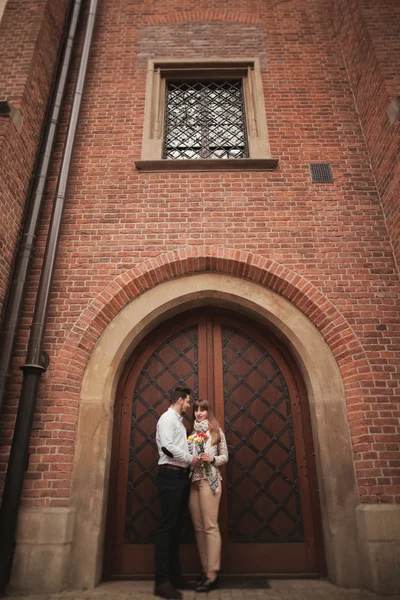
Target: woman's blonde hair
pixel 213 425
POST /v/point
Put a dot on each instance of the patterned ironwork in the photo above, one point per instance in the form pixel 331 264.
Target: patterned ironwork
pixel 205 119
pixel 263 494
pixel 173 364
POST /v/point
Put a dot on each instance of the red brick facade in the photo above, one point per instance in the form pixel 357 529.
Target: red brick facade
pixel 328 248
pixel 369 39
pixel 30 33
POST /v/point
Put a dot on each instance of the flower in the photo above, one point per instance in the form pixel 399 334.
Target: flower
pixel 199 439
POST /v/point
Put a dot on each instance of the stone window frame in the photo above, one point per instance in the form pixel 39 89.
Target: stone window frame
pixel 2 8
pixel 248 70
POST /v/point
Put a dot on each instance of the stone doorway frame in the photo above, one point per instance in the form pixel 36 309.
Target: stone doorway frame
pixel 332 442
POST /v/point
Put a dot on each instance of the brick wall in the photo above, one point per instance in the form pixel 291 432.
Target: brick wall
pixel 383 26
pixel 370 41
pixel 332 236
pixel 30 32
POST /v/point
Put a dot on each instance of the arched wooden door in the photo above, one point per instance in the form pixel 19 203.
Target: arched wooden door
pixel 269 513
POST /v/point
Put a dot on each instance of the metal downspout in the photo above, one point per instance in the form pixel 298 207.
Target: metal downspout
pixel 36 362
pixel 12 315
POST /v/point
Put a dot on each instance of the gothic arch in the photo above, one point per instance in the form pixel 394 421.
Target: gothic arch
pixel 136 301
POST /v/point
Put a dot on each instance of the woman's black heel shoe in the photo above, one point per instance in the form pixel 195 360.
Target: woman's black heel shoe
pixel 202 577
pixel 206 585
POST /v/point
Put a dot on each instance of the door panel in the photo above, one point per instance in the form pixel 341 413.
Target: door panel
pixel 264 500
pixel 173 363
pixel 266 514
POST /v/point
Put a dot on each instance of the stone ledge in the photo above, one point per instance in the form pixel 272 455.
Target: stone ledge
pixel 208 164
pixel 9 110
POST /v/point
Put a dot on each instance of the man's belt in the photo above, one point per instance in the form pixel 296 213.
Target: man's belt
pixel 174 467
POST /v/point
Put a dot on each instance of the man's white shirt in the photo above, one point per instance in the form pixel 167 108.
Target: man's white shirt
pixel 172 435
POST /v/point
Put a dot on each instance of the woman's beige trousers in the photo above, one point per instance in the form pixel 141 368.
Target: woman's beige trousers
pixel 204 507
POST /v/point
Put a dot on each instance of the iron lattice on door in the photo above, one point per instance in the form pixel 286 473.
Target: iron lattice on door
pixel 263 492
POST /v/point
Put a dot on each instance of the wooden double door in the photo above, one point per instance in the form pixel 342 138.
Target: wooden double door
pixel 269 511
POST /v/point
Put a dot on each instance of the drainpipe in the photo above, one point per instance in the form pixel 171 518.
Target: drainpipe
pixel 37 360
pixel 13 310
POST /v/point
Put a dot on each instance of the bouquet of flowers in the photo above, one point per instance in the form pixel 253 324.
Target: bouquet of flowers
pixel 199 439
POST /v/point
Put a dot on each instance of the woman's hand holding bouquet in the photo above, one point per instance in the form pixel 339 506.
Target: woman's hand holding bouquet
pixel 199 439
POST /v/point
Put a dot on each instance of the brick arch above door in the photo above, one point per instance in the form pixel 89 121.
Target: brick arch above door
pixel 337 332
pixel 204 15
pixel 127 312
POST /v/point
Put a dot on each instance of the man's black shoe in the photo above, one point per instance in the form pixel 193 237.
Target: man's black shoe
pixel 207 585
pixel 167 590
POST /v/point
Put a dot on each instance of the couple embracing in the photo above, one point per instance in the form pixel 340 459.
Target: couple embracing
pixel 188 472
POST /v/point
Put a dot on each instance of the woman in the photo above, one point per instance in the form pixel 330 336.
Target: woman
pixel 208 441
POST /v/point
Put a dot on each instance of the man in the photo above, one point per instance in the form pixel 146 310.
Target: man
pixel 173 486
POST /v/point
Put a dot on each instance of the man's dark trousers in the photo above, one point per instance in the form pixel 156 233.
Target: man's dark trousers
pixel 173 487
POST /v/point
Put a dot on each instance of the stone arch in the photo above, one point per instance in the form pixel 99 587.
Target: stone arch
pixel 114 324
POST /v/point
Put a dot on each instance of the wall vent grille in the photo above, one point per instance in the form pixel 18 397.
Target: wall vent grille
pixel 321 173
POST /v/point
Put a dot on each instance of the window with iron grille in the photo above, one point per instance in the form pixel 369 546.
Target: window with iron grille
pixel 205 114
pixel 205 119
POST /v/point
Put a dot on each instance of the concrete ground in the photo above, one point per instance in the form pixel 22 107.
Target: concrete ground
pixel 279 590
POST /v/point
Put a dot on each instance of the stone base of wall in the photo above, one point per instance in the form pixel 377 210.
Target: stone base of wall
pixel 45 535
pixel 43 548
pixel 379 543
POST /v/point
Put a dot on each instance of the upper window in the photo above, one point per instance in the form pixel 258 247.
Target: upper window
pixel 205 119
pixel 205 115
